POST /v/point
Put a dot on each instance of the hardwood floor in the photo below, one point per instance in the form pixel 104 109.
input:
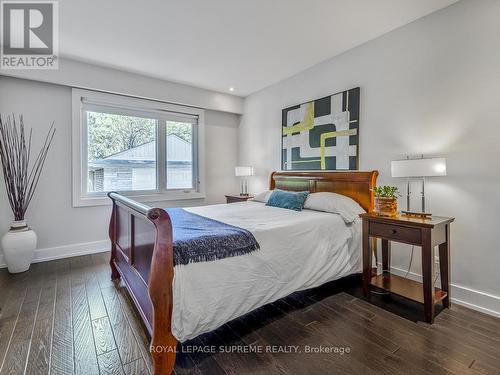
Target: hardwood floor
pixel 67 317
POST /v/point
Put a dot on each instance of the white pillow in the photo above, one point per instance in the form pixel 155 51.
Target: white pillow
pixel 346 207
pixel 263 197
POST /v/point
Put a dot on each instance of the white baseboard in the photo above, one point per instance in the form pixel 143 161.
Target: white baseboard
pixel 59 252
pixel 471 298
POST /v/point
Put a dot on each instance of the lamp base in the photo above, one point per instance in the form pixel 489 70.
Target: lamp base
pixel 243 187
pixel 421 215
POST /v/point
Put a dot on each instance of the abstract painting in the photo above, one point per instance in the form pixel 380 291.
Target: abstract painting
pixel 322 134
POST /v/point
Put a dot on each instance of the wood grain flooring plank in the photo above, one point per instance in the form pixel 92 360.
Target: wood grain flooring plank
pixel 103 335
pixel 96 304
pixel 137 367
pixel 478 341
pixel 137 327
pixel 39 355
pixel 286 331
pixel 249 336
pixel 340 332
pixel 124 337
pixel 62 267
pixel 17 353
pixel 229 353
pixel 62 357
pixel 17 292
pixel 321 331
pixel 184 365
pixel 103 270
pixel 406 333
pixel 478 316
pixel 41 341
pixel 411 350
pixel 457 349
pixel 80 262
pixel 475 325
pixel 6 331
pixel 8 319
pixel 16 358
pixel 85 358
pixel 4 288
pixel 205 363
pixel 109 363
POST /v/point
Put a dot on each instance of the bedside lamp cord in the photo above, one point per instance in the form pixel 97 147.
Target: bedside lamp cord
pixel 409 267
pixel 411 261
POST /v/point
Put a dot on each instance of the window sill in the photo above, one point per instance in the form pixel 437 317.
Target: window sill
pixel 103 200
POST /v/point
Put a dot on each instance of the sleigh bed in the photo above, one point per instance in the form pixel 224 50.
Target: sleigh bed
pixel 142 256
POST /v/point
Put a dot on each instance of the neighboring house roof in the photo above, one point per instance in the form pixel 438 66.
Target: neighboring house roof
pixel 144 152
pixel 178 151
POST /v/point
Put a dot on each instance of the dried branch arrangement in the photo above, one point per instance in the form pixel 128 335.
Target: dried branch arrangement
pixel 21 179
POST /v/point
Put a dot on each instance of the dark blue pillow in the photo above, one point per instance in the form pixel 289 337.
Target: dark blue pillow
pixel 293 200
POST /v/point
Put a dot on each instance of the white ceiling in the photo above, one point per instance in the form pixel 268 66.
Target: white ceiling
pixel 217 44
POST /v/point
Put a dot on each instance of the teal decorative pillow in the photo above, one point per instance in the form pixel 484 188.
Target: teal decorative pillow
pixel 292 200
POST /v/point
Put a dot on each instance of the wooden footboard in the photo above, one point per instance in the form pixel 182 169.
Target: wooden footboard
pixel 142 256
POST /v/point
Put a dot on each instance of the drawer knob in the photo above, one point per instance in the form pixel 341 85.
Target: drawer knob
pixel 393 231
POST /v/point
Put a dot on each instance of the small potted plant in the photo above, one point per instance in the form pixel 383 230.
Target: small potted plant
pixel 21 175
pixel 386 200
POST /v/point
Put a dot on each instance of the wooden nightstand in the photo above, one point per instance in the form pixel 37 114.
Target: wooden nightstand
pixel 233 198
pixel 426 233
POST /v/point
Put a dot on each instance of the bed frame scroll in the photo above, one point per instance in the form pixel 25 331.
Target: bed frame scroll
pixel 142 257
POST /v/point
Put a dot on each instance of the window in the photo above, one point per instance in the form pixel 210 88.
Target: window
pixel 120 148
pixel 145 149
pixel 180 155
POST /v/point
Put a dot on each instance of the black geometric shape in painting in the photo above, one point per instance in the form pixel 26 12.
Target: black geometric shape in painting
pixel 353 163
pixel 284 114
pixel 331 163
pixel 299 163
pixel 323 106
pixel 354 104
pixel 353 139
pixel 315 135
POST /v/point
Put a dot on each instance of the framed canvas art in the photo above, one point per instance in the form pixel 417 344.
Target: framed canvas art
pixel 322 134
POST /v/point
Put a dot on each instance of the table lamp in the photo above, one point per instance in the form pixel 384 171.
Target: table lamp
pixel 243 172
pixel 418 168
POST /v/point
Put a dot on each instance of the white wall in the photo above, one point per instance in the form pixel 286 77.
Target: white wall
pixel 88 76
pixel 63 229
pixel 428 88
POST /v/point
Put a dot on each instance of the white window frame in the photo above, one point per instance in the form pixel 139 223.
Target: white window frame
pixel 86 99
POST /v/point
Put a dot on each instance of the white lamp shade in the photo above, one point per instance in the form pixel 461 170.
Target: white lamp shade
pixel 243 171
pixel 419 167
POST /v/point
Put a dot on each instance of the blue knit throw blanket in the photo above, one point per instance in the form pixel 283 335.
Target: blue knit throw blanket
pixel 201 239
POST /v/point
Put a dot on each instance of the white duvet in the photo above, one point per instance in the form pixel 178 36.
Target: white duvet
pixel 298 250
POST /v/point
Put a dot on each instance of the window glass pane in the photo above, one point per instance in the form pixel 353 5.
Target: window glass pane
pixel 121 152
pixel 179 155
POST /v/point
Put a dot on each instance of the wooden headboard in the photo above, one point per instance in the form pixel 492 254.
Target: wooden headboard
pixel 355 185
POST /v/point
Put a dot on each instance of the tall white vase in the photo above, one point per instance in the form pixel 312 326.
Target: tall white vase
pixel 18 245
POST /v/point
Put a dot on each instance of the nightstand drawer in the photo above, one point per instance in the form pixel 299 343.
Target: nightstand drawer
pixel 234 200
pixel 393 232
pixel 238 198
